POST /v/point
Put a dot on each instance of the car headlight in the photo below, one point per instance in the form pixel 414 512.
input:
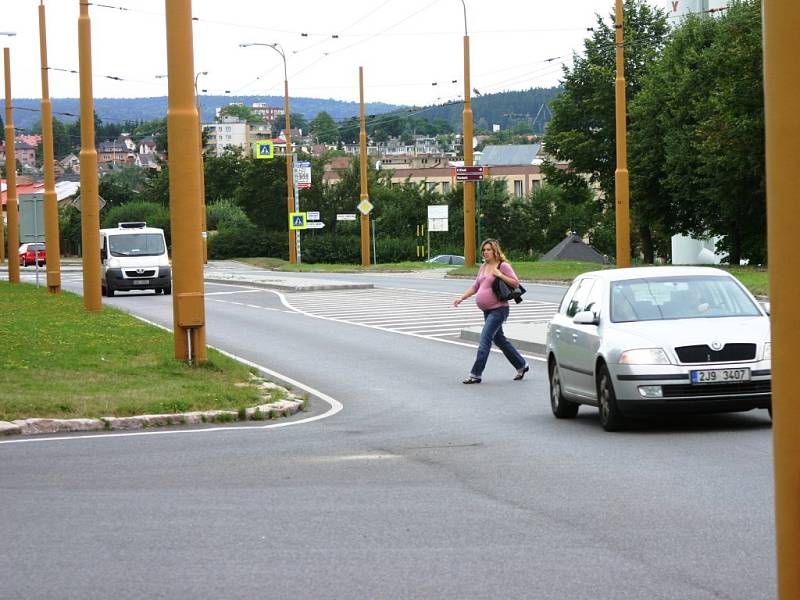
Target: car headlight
pixel 113 263
pixel 644 356
pixel 768 351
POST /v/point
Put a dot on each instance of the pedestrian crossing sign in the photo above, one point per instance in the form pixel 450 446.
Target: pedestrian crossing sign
pixel 264 149
pixel 297 220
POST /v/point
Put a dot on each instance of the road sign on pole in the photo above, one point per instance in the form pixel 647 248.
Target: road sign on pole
pixel 365 206
pixel 470 173
pixel 264 149
pixel 302 174
pixel 31 218
pixel 315 225
pixel 297 220
pixel 345 216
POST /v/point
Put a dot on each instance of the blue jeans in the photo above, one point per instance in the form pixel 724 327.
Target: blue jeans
pixel 493 332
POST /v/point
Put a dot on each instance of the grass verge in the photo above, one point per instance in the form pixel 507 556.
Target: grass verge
pixel 277 264
pixel 756 279
pixel 61 361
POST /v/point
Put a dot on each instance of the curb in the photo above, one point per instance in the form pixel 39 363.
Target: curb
pixel 290 287
pixel 522 345
pixel 272 410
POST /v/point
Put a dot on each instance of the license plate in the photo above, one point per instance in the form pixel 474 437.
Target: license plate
pixel 141 281
pixel 721 375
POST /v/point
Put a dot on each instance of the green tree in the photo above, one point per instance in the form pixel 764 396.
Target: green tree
pixel 243 113
pixel 324 129
pixel 583 129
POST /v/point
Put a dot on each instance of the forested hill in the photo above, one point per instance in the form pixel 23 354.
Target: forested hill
pixel 504 109
pixel 119 110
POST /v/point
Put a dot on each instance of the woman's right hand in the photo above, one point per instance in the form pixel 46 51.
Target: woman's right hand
pixel 457 301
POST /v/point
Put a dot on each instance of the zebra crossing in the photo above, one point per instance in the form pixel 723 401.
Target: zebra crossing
pixel 420 313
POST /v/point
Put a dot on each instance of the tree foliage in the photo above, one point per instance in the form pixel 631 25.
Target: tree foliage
pixel 582 130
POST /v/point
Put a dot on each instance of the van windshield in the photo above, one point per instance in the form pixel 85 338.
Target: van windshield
pixel 136 244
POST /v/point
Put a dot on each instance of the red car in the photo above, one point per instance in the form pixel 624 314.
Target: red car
pixel 30 253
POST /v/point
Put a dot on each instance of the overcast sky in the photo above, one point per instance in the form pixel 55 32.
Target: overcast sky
pixel 405 46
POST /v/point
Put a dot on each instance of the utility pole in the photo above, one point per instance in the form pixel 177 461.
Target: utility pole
pixel 90 209
pixel 469 186
pixel 363 170
pixel 183 129
pixel 621 187
pixel 782 121
pixel 11 177
pixel 51 231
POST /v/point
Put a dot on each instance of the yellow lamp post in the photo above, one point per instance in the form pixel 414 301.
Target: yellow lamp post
pixel 469 186
pixel 11 249
pixel 183 129
pixel 621 188
pixel 782 128
pixel 291 201
pixel 11 177
pixel 51 232
pixel 90 193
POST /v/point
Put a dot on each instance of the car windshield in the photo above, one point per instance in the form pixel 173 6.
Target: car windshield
pixel 136 244
pixel 688 297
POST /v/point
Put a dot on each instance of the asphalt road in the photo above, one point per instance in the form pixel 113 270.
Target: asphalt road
pixel 420 487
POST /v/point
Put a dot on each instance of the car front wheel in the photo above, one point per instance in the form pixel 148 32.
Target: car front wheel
pixel 611 418
pixel 561 407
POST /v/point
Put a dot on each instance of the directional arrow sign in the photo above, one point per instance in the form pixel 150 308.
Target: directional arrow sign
pixel 469 173
pixel 315 225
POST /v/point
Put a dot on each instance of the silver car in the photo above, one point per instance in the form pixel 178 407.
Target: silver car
pixel 658 339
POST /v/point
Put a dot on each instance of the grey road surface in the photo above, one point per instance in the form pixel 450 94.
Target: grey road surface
pixel 420 487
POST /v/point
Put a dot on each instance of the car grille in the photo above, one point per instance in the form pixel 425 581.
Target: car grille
pixel 717 389
pixel 704 354
pixel 145 273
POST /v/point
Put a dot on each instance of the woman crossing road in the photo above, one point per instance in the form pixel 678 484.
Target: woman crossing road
pixel 495 311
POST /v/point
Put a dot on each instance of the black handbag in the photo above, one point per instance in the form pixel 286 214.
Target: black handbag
pixel 505 292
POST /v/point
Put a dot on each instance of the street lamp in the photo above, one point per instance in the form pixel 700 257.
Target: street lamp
pixel 292 204
pixel 469 186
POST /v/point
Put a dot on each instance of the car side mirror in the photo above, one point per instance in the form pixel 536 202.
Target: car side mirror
pixel 586 317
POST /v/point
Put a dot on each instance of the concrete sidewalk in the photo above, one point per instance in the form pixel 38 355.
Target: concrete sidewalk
pixel 526 337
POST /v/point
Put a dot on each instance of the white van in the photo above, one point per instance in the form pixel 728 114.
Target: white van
pixel 134 257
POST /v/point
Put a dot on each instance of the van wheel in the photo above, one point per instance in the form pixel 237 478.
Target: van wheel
pixel 109 289
pixel 167 290
pixel 611 418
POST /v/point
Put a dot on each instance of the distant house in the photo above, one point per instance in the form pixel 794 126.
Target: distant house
pixel 147 161
pixel 25 153
pixel 71 163
pixel 147 146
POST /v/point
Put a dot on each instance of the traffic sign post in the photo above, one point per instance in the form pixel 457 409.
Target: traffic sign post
pixel 297 220
pixel 264 149
pixel 31 224
pixel 471 173
pixel 315 225
pixel 302 174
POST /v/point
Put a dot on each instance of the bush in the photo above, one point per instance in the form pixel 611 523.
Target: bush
pixel 246 242
pixel 391 250
pixel 224 215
